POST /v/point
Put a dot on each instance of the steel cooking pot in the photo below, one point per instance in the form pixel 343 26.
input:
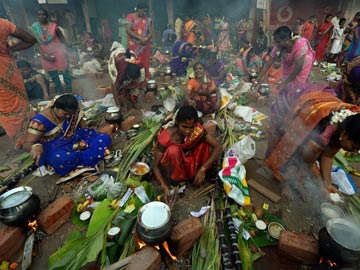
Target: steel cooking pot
pixel 167 70
pixel 151 85
pixel 18 206
pixel 153 224
pixel 340 240
pixel 264 89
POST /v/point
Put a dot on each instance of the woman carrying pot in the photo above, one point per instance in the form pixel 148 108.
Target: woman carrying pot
pixel 308 124
pixel 57 137
pixel 184 152
pixel 202 92
pixel 296 55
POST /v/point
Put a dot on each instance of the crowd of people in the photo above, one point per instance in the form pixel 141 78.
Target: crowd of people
pixel 309 122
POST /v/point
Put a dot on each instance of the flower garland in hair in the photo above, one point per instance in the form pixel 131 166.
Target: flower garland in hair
pixel 340 116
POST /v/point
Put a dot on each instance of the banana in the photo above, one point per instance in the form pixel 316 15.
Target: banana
pixel 81 206
pixel 114 204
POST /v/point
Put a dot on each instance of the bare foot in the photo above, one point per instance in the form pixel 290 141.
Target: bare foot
pixel 303 194
pixel 286 192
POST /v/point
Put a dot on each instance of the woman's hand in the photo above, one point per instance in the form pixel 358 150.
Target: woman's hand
pixel 167 194
pixel 36 152
pixel 330 188
pixel 48 57
pixel 200 176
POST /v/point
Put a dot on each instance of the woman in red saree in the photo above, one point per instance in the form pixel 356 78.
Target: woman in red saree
pixel 202 91
pixel 309 123
pixel 183 151
pixel 15 111
pixel 139 30
pixel 323 38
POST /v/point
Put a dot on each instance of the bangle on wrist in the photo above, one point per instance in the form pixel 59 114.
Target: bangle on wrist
pixel 36 144
pixel 203 169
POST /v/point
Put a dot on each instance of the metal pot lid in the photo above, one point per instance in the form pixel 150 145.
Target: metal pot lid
pixel 113 109
pixel 154 215
pixel 15 197
pixel 345 231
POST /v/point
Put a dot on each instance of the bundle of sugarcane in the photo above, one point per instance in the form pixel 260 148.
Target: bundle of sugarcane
pixel 353 202
pixel 233 237
pixel 228 137
pixel 26 166
pixel 206 252
pixel 136 146
pixel 226 258
pixel 247 259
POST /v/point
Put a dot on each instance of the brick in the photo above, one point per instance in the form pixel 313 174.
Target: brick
pixel 181 250
pixel 56 214
pixel 128 123
pixel 12 241
pixel 146 259
pixel 185 234
pixel 299 247
pixel 149 97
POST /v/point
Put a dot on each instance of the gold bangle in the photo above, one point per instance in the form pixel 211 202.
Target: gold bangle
pixel 36 144
pixel 203 169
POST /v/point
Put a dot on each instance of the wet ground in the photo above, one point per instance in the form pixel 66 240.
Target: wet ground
pixel 298 216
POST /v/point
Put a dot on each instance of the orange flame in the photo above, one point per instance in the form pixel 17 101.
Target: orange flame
pixel 33 225
pixel 321 260
pixel 166 247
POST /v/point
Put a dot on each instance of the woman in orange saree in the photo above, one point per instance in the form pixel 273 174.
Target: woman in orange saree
pixel 309 123
pixel 185 151
pixel 14 107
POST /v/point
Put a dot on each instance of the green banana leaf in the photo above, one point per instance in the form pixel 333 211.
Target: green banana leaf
pixel 340 160
pixel 79 250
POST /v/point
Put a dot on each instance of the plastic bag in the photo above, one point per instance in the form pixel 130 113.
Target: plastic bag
pixel 244 149
pixel 98 190
pixel 343 181
pixel 116 190
pixel 225 97
pixel 233 177
pixel 244 112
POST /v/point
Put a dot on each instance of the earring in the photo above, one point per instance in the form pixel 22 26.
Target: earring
pixel 340 138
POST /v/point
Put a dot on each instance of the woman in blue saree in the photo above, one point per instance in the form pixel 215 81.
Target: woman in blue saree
pixel 57 138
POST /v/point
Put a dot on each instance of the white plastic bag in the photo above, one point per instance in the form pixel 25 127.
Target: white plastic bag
pixel 244 149
pixel 343 181
pixel 244 112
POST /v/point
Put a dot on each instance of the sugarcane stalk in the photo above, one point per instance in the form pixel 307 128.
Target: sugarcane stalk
pixel 233 237
pixel 204 191
pixel 226 258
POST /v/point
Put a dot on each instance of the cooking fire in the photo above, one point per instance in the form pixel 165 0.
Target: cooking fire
pixel 163 247
pixel 327 264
